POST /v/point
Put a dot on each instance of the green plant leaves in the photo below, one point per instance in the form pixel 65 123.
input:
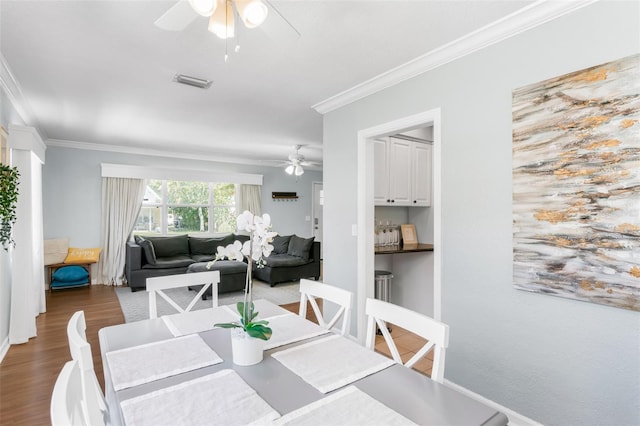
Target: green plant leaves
pixel 9 180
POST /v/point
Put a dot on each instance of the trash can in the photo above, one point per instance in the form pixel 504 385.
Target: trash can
pixel 383 285
pixel 383 290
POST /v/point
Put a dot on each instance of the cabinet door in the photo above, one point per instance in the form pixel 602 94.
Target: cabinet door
pixel 380 173
pixel 400 172
pixel 421 175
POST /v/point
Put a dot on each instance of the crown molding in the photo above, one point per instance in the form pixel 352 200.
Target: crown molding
pixel 529 17
pixel 11 87
pixel 157 153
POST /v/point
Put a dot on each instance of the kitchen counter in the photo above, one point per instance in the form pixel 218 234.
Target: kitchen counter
pixel 411 248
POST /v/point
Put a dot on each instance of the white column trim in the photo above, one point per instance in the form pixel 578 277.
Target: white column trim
pixel 27 138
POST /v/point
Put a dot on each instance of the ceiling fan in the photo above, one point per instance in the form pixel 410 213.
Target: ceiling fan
pixel 296 161
pixel 223 15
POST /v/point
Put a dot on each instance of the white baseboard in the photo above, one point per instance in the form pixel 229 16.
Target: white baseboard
pixel 4 348
pixel 515 419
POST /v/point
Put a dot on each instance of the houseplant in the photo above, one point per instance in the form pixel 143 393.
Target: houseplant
pixel 9 179
pixel 248 335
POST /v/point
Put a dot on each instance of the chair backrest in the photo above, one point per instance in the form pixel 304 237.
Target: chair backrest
pixel 66 400
pixel 309 290
pixel 157 285
pixel 436 333
pixel 92 400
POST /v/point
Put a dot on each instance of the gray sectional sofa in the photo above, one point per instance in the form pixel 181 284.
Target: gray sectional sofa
pixel 293 258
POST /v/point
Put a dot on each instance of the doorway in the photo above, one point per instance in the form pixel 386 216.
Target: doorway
pixel 316 213
pixel 365 215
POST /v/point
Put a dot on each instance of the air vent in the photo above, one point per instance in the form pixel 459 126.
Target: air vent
pixel 192 81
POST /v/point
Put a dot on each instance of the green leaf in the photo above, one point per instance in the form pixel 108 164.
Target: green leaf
pixel 259 332
pixel 227 325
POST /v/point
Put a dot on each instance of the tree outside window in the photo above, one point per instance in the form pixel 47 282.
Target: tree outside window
pixel 185 207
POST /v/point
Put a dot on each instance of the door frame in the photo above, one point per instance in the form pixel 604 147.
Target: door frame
pixel 365 208
pixel 314 184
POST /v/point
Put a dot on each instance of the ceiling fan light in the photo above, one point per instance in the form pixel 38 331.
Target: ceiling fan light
pixel 299 170
pixel 221 22
pixel 204 7
pixel 252 12
pixel 289 169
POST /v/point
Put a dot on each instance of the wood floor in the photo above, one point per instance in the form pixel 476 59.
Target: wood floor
pixel 28 371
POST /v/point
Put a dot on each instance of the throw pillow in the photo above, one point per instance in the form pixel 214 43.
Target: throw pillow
pixel 280 244
pixel 70 274
pixel 82 255
pixel 55 251
pixel 300 247
pixel 149 251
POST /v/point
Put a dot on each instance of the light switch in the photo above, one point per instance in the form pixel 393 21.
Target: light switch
pixel 354 230
pixel 307 218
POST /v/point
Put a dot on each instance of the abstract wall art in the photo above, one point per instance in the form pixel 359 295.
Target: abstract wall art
pixel 576 185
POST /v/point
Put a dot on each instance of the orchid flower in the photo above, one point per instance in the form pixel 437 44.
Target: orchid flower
pixel 255 250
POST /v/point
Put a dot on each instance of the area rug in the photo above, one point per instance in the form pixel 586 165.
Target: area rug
pixel 135 306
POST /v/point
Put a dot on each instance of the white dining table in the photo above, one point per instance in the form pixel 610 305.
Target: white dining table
pixel 276 384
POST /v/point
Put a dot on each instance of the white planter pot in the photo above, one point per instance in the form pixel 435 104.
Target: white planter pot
pixel 246 350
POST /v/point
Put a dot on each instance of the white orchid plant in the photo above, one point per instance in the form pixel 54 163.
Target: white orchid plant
pixel 256 249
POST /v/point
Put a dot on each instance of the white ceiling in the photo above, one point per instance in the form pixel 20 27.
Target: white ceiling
pixel 100 72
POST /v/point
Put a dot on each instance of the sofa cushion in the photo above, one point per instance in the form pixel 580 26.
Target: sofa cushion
pixel 147 248
pixel 300 247
pixel 225 267
pixel 280 244
pixel 208 246
pixel 177 245
pixel 170 262
pixel 203 257
pixel 56 284
pixel 71 274
pixel 283 260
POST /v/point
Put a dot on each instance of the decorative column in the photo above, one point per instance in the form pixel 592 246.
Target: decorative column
pixel 27 270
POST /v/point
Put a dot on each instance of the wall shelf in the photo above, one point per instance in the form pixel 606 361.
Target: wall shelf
pixel 284 196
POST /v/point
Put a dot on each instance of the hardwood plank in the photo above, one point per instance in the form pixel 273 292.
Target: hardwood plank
pixel 28 371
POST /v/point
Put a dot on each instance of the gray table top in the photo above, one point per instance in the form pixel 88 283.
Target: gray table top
pixel 412 394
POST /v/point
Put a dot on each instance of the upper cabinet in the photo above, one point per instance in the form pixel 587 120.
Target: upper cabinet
pixel 402 173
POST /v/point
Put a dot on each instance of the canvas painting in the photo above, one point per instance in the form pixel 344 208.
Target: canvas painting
pixel 576 185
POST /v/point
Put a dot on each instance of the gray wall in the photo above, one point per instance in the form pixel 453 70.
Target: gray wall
pixel 554 360
pixel 73 192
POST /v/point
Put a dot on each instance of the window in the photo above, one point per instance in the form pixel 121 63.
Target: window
pixel 184 207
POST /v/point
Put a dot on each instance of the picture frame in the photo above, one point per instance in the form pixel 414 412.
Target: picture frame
pixel 409 236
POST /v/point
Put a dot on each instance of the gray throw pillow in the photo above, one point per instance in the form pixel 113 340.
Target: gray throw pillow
pixel 281 244
pixel 300 247
pixel 176 245
pixel 149 251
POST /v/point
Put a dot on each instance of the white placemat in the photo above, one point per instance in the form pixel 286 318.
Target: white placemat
pixel 197 321
pixel 222 398
pixel 264 308
pixel 291 328
pixel 146 363
pixel 332 362
pixel 349 406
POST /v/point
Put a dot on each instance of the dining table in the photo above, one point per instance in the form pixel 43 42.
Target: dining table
pixel 178 369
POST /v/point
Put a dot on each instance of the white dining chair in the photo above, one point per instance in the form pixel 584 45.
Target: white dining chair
pixel 436 333
pixel 310 290
pixel 66 400
pixel 94 408
pixel 157 285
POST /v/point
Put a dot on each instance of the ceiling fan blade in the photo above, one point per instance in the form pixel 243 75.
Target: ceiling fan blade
pixel 178 17
pixel 277 27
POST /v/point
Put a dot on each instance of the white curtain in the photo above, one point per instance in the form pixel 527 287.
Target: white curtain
pixel 249 197
pixel 121 202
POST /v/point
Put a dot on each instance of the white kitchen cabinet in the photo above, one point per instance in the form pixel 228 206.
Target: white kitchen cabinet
pixel 402 173
pixel 421 184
